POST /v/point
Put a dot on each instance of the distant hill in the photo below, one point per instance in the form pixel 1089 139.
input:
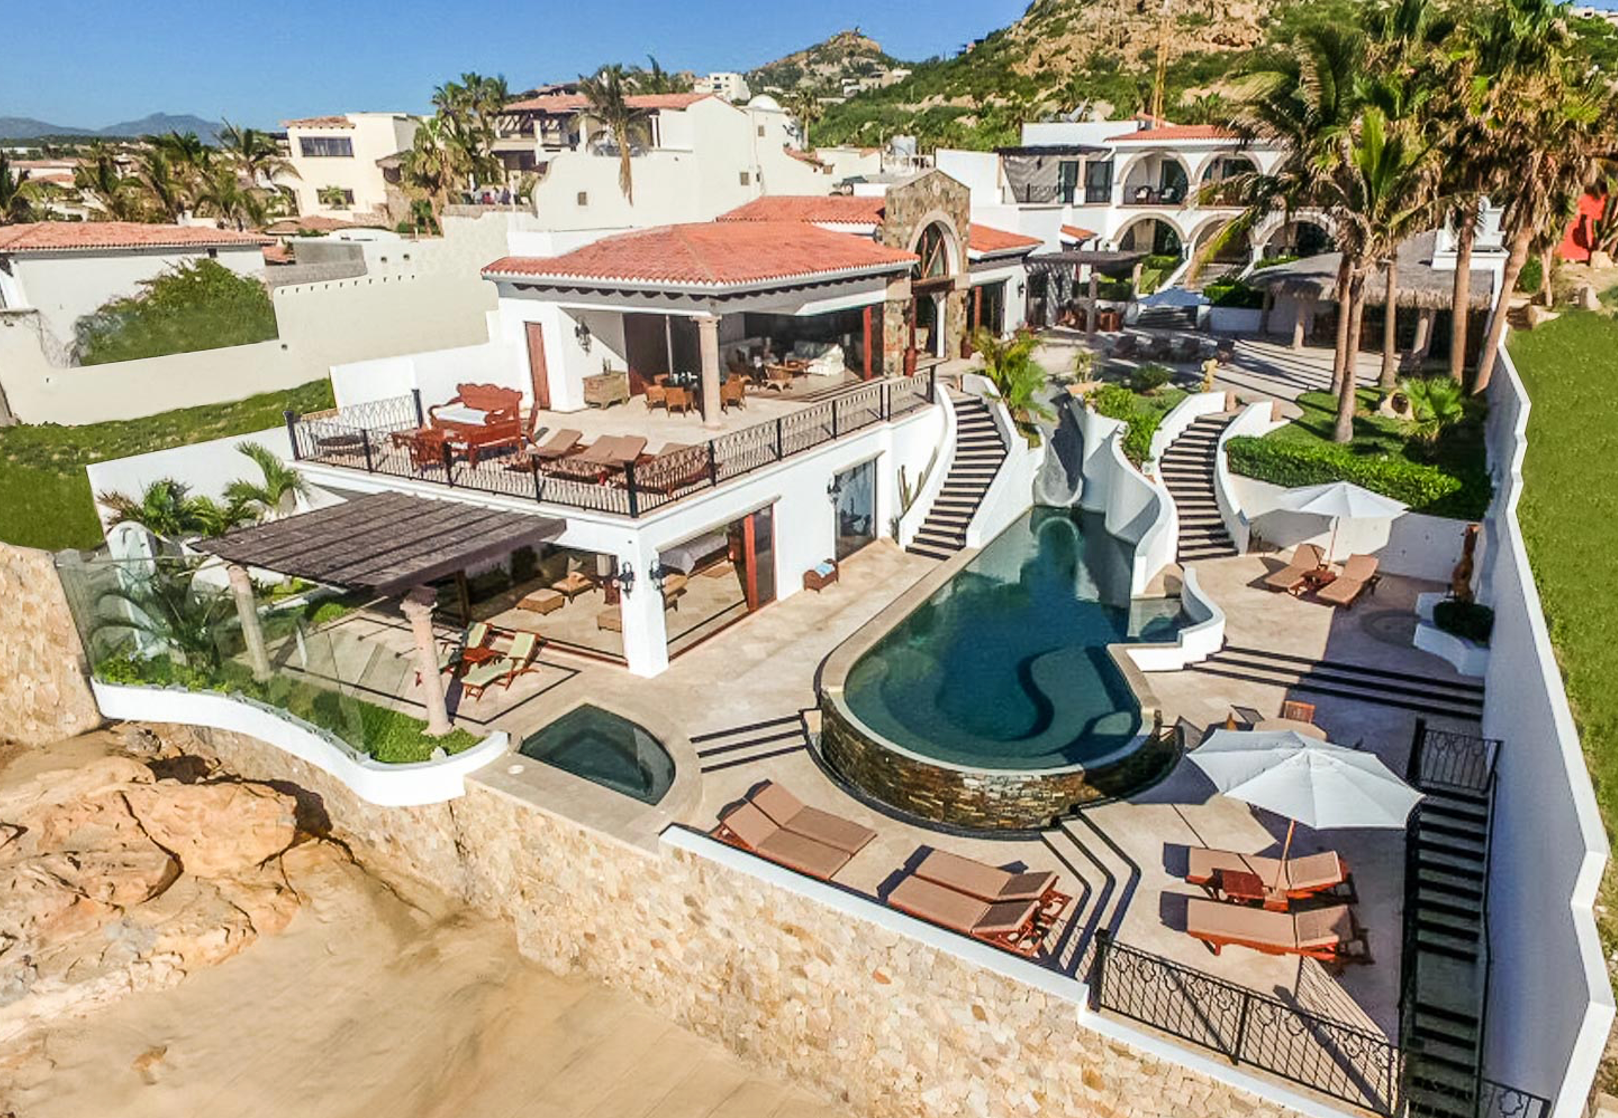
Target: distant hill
pixel 824 66
pixel 27 128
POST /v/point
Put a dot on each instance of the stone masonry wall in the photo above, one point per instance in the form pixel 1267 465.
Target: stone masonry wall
pixel 907 210
pixel 44 692
pixel 893 1027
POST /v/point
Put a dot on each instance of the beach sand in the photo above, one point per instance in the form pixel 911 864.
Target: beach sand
pixel 376 1005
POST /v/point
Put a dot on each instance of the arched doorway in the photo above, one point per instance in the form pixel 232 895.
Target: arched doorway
pixel 1220 184
pixel 1300 237
pixel 1156 179
pixel 1233 250
pixel 931 281
pixel 1151 235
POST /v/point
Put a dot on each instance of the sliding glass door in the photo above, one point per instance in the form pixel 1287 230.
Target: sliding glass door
pixel 855 508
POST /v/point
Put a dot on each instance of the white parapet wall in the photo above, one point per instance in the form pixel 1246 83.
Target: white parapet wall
pixel 1197 641
pixel 375 782
pixel 1012 491
pixel 1550 1002
pixel 1256 420
pixel 1137 508
pixel 921 504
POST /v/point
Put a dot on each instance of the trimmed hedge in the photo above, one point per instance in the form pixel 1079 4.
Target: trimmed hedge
pixel 1142 414
pixel 1426 489
pixel 1466 620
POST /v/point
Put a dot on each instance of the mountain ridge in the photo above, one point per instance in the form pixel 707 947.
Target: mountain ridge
pixel 31 128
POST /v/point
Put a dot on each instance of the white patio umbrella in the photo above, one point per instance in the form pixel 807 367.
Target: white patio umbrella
pixel 1339 500
pixel 1315 783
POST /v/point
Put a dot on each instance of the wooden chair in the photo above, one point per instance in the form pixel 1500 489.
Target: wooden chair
pixel 1359 577
pixel 1007 924
pixel 1298 712
pixel 682 398
pixel 733 393
pixel 479 417
pixel 657 392
pixel 1307 558
pixel 989 883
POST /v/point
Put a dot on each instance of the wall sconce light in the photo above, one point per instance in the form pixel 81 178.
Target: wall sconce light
pixel 658 573
pixel 834 489
pixel 582 333
pixel 624 578
pixel 1022 289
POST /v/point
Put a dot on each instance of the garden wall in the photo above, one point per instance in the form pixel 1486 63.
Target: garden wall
pixel 1550 1002
pixel 890 1016
pixel 44 692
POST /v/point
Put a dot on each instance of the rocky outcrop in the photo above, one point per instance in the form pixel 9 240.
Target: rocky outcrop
pixel 44 693
pixel 114 880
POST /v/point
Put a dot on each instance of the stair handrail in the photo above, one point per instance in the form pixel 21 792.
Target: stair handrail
pixel 911 520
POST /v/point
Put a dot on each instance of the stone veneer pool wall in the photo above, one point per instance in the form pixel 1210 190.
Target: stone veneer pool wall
pixel 997 800
pixel 891 1026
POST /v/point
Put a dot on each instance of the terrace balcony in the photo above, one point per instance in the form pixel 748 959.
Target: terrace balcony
pixel 678 457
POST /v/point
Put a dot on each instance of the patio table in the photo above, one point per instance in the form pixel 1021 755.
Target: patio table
pixel 475 656
pixel 1249 888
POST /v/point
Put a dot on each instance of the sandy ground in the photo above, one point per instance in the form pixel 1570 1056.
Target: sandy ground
pixel 372 1004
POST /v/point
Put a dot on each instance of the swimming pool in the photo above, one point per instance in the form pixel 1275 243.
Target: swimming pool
pixel 606 749
pixel 1003 672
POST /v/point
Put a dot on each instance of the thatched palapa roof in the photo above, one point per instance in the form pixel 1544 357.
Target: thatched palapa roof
pixel 1420 284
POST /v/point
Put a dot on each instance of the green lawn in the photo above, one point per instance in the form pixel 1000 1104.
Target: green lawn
pixel 1449 478
pixel 1569 516
pixel 44 494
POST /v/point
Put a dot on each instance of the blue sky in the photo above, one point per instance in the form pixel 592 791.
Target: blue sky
pixel 260 63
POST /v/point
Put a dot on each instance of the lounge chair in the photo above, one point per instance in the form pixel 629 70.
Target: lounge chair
pixel 1307 558
pixel 676 466
pixel 1359 576
pixel 1329 934
pixel 988 883
pixel 519 658
pixel 1308 876
pixel 1008 924
pixel 790 814
pixel 749 828
pixel 559 445
pixel 450 653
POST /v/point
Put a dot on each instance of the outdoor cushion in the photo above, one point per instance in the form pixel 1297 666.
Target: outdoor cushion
pixel 460 413
pixel 959 912
pixel 486 673
pixel 983 881
pixel 1324 927
pixel 790 813
pixel 1307 874
pixel 823 568
pixel 758 833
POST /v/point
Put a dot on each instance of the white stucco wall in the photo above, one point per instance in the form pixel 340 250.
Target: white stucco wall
pixel 373 136
pixel 1550 1002
pixel 65 286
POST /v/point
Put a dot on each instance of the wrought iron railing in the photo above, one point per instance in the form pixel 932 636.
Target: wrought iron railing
pixel 1344 1061
pixel 1447 759
pixel 382 437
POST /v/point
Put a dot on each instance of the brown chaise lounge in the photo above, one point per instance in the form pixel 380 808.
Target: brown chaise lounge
pixel 1303 877
pixel 1009 924
pixel 559 445
pixel 750 829
pixel 1359 575
pixel 790 814
pixel 1307 558
pixel 1330 934
pixel 988 883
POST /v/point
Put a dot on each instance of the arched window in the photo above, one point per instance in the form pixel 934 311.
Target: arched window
pixel 933 248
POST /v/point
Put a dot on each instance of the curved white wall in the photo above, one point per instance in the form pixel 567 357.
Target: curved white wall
pixel 427 782
pixel 910 523
pixel 1011 493
pixel 1197 641
pixel 1255 420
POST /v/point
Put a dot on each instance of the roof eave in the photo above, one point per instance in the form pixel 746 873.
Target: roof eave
pixel 635 286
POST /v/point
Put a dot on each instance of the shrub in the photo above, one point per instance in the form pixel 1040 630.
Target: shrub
pixel 1274 261
pixel 1150 377
pixel 1467 620
pixel 1532 276
pixel 195 306
pixel 1141 416
pixel 1436 404
pixel 1425 488
pixel 1234 293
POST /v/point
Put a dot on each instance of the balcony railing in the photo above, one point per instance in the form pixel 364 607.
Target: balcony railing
pixel 1048 193
pixel 377 438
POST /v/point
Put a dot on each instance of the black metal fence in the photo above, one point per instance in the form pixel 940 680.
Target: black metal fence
pixel 1445 759
pixel 380 437
pixel 1345 1061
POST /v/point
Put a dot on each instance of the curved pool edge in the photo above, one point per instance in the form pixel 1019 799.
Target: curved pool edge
pixel 968 797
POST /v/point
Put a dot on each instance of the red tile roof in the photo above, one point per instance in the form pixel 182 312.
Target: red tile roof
pixel 313 223
pixel 50 236
pixel 1077 232
pixel 319 122
pixel 987 239
pixel 277 254
pixel 712 255
pixel 573 102
pixel 1166 132
pixel 824 209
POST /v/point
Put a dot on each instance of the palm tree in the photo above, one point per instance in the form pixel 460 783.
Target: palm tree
pixel 467 111
pixel 20 200
pixel 655 79
pixel 256 154
pixel 166 191
pixel 1009 365
pixel 99 179
pixel 166 608
pixel 607 96
pixel 804 107
pixel 168 510
pixel 431 166
pixel 281 484
pixel 1436 404
pixel 223 193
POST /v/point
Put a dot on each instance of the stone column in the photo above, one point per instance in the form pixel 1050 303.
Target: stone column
pixel 1090 309
pixel 418 610
pixel 1301 309
pixel 1424 334
pixel 241 588
pixel 641 617
pixel 708 344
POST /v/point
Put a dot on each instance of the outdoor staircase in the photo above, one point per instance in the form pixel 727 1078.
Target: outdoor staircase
pixel 1341 679
pixel 1445 980
pixel 755 741
pixel 1166 318
pixel 979 451
pixel 1187 468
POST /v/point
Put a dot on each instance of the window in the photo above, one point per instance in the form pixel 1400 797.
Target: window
pixel 746 178
pixel 584 198
pixel 334 197
pixel 320 147
pixel 1098 182
pixel 1067 173
pixel 934 252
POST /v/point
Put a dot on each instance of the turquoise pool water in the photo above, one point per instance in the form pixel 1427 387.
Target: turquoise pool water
pixel 607 749
pixel 1006 665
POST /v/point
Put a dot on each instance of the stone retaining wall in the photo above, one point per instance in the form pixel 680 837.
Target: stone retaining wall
pixel 887 1024
pixel 44 691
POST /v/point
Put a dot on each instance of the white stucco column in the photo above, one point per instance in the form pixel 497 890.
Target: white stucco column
pixel 241 588
pixel 1090 310
pixel 1424 333
pixel 418 610
pixel 640 613
pixel 708 345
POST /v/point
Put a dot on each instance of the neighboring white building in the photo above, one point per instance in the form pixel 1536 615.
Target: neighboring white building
pixel 724 83
pixel 347 165
pixel 66 270
pixel 696 156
